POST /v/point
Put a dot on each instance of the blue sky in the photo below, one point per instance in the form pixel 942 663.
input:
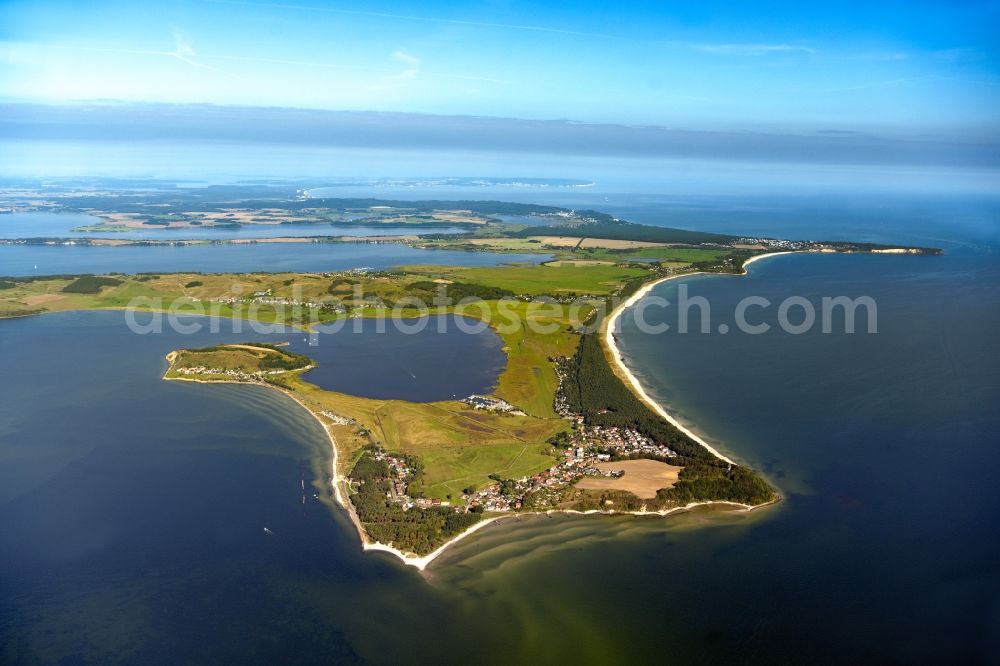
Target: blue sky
pixel 908 67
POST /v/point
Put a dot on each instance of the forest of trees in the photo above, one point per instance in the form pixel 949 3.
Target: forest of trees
pixel 427 206
pixel 416 530
pixel 592 389
pixel 427 290
pixel 282 360
pixel 90 284
pixel 625 231
pixel 337 283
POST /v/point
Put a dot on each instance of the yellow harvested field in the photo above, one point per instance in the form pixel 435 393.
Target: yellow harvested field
pixel 38 299
pixel 642 477
pixel 609 244
pixel 557 241
pixel 595 243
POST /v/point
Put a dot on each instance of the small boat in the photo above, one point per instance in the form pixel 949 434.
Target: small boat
pixel 268 531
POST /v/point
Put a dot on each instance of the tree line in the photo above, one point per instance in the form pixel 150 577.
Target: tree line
pixel 592 389
pixel 629 231
pixel 415 530
pixel 456 291
pixel 90 284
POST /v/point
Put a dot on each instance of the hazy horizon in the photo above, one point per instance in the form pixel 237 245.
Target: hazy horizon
pixel 686 98
pixel 902 67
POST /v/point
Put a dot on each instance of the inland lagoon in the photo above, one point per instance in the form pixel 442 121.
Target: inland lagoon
pixel 27 259
pixel 133 511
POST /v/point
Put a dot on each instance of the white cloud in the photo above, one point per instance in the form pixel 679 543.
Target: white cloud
pixel 411 17
pixel 411 65
pixel 751 50
pixel 411 68
pixel 184 52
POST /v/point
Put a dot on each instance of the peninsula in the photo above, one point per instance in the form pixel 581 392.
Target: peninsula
pixel 567 427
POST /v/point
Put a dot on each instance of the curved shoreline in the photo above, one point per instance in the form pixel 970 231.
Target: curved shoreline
pixel 421 562
pixel 633 381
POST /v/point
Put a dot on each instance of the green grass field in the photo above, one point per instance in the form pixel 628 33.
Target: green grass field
pixel 459 446
pixel 670 254
pixel 248 358
pixel 450 470
pixel 537 280
pixel 665 254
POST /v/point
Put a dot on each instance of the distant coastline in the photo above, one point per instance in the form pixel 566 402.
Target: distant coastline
pixel 621 370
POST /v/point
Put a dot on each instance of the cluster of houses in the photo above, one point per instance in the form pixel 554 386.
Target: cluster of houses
pixel 624 442
pixel 506 497
pixel 567 298
pixel 337 419
pixel 491 404
pixel 359 272
pixel 377 240
pixel 562 408
pixel 585 447
pixel 773 243
pixel 265 298
pixel 239 375
pixel 399 474
pixel 561 405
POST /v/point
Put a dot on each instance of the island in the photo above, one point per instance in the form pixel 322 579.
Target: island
pixel 568 428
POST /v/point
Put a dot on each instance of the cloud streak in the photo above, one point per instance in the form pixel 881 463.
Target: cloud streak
pixel 411 65
pixel 343 66
pixel 749 50
pixel 411 68
pixel 410 17
pixel 183 52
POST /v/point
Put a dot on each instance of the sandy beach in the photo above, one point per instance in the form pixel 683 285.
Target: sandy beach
pixel 421 562
pixel 632 380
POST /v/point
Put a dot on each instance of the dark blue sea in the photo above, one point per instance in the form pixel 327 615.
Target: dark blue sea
pixel 132 510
